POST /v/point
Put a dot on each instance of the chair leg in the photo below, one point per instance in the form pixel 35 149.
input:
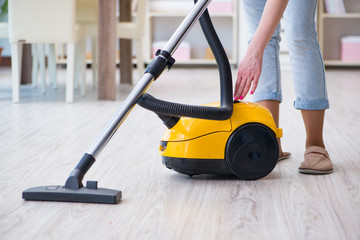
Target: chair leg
pixel 140 57
pixel 82 63
pixel 35 65
pixel 52 65
pixel 16 59
pixel 77 66
pixel 94 61
pixel 70 72
pixel 41 54
pixel 60 51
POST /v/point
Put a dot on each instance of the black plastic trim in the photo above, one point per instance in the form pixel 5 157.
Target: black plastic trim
pixel 194 166
pixel 77 175
pixel 61 194
pixel 162 60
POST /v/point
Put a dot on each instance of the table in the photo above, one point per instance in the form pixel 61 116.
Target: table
pixel 125 45
pixel 107 48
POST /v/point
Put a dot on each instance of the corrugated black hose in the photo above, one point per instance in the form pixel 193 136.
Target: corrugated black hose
pixel 169 112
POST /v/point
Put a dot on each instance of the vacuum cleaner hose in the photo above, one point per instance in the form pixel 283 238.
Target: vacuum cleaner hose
pixel 177 109
pixel 226 100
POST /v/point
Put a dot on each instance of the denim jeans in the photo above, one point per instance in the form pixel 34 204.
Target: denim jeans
pixel 304 50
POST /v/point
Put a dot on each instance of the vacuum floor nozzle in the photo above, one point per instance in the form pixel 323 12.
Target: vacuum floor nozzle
pixel 62 194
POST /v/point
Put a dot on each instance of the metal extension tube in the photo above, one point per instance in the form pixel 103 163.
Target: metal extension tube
pixel 147 79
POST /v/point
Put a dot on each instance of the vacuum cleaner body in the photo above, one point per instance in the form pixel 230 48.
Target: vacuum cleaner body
pixel 244 145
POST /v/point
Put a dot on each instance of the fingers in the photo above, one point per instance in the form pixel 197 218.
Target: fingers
pixel 239 87
pixel 246 89
pixel 254 84
pixel 243 86
pixel 241 82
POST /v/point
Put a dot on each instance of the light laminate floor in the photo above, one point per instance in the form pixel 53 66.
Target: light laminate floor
pixel 42 138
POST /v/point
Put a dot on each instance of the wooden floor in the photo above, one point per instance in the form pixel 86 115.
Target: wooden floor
pixel 42 138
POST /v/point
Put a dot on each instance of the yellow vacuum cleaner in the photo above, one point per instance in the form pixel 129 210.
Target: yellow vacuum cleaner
pixel 220 138
pixel 244 145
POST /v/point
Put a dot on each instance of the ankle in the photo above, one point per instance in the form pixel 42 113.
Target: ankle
pixel 318 143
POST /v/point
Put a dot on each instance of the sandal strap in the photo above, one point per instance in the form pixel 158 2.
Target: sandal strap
pixel 318 150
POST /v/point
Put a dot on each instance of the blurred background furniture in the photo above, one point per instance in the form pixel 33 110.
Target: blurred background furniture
pixel 38 65
pixel 335 22
pixel 127 30
pixel 46 23
pixel 106 50
pixel 29 22
pixel 134 30
pixel 4 33
pixel 87 16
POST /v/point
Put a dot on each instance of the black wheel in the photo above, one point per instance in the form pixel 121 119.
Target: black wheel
pixel 252 151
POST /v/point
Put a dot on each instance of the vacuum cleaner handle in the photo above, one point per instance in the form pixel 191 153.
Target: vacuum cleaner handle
pixel 160 63
pixel 164 108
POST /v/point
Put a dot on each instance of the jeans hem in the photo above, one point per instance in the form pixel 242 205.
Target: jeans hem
pixel 312 105
pixel 266 96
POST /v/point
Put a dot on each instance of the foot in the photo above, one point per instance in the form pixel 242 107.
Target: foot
pixel 284 155
pixel 316 161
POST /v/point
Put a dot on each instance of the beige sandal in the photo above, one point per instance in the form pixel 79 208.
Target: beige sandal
pixel 316 161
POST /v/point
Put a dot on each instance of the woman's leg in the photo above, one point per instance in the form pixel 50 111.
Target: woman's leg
pixel 274 106
pixel 268 92
pixel 309 81
pixel 305 56
pixel 314 121
pixel 316 158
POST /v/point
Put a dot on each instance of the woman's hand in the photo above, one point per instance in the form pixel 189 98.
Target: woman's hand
pixel 248 73
pixel 250 67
